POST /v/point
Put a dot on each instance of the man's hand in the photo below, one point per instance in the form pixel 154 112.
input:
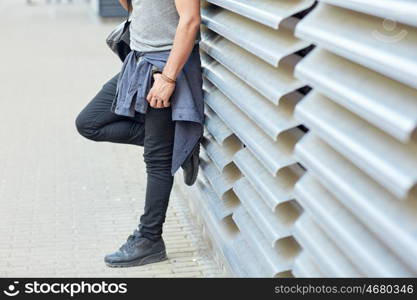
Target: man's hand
pixel 160 93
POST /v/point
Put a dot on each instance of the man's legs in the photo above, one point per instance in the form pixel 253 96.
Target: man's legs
pixel 96 122
pixel 158 148
pixel 146 245
pixel 156 134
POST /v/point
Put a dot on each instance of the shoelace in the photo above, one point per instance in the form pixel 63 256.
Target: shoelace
pixel 129 242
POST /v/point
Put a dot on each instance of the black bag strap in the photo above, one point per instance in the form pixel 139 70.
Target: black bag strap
pixel 129 9
pixel 126 33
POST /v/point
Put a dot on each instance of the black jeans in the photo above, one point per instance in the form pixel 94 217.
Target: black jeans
pixel 154 131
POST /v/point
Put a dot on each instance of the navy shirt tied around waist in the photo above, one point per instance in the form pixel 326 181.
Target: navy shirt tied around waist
pixel 187 101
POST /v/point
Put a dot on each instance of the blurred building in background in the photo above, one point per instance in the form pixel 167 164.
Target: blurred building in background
pixel 108 8
pixel 104 8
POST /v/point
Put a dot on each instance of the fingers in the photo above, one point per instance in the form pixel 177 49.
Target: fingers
pixel 160 93
pixel 164 103
pixel 153 102
pixel 149 96
pixel 156 101
pixel 159 103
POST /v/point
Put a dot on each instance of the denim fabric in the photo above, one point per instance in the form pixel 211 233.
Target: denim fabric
pixel 187 100
pixel 154 131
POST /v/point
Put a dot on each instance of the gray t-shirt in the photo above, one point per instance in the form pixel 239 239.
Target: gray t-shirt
pixel 153 25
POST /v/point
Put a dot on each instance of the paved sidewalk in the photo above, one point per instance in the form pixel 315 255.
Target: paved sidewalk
pixel 66 201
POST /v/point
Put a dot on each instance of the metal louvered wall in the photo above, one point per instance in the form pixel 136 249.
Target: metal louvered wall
pixel 320 182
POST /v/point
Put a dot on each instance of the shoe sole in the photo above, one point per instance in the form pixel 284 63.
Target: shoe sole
pixel 154 258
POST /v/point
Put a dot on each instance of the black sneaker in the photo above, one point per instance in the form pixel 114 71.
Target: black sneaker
pixel 191 165
pixel 137 251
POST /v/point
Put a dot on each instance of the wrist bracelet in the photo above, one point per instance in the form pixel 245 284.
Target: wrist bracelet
pixel 155 70
pixel 167 79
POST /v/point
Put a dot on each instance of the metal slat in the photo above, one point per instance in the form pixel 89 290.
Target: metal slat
pixel 273 83
pixel 267 12
pixel 222 233
pixel 393 221
pixel 221 182
pixel 216 126
pixel 404 11
pixel 273 260
pixel 392 164
pixel 221 208
pixel 266 43
pixel 358 37
pixel 323 251
pixel 355 241
pixel 387 104
pixel 273 190
pixel 273 225
pixel 221 155
pixel 305 267
pixel 272 119
pixel 247 261
pixel 274 155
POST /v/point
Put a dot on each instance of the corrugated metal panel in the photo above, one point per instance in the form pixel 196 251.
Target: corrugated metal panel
pixel 304 266
pixel 328 257
pixel 247 265
pixel 242 109
pixel 221 155
pixel 222 233
pixel 273 83
pixel 221 181
pixel 274 155
pixel 352 238
pixel 216 126
pixel 273 260
pixel 267 12
pixel 385 103
pixel 361 151
pixel 394 222
pixel 273 190
pixel 273 225
pixel 404 11
pixel 362 39
pixel 266 43
pixel 272 119
pixel 339 201
pixel 221 208
pixel 388 161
